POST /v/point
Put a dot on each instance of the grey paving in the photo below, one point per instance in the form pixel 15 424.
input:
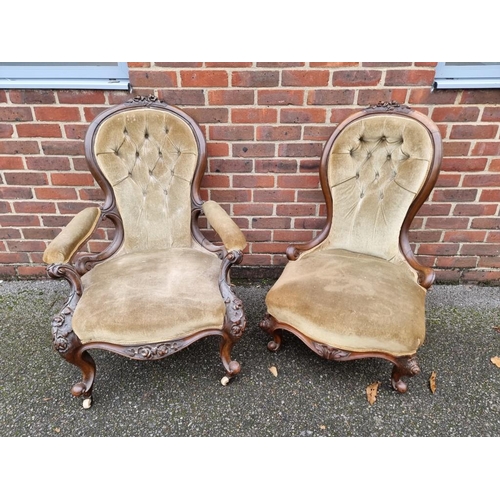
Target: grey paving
pixel 182 396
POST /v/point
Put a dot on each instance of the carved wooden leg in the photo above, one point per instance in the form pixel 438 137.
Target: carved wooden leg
pixel 269 325
pixel 404 366
pixel 232 367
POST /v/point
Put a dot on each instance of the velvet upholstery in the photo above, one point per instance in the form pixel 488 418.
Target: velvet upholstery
pixel 159 285
pixel 357 290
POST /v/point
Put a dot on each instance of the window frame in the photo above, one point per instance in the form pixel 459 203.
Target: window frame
pixel 82 75
pixel 476 75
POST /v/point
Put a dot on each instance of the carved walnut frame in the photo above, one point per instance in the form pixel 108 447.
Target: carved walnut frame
pixel 67 343
pixel 403 365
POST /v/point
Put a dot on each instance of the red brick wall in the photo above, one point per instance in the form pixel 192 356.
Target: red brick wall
pixel 265 124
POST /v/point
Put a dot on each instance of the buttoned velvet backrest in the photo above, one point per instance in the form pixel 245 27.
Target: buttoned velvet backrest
pixel 376 167
pixel 149 157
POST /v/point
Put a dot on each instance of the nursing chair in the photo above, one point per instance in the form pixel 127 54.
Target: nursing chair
pixel 160 285
pixel 357 290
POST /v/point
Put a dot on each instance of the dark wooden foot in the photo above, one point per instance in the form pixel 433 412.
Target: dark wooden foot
pixel 269 325
pixel 232 367
pixel 403 366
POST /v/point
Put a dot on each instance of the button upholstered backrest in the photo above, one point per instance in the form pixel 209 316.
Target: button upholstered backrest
pixel 376 167
pixel 149 157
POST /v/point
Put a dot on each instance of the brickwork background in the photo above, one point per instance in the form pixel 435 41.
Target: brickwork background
pixel 265 125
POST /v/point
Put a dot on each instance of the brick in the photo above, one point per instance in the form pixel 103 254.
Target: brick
pixel 26 246
pixel 57 114
pixel 456 148
pixel 54 193
pixel 15 193
pixel 493 237
pixel 300 149
pixel 31 271
pixel 72 207
pixel 369 97
pixel 19 220
pixel 317 133
pixel 38 130
pixel 236 97
pixel 338 115
pixel 75 131
pixel 463 164
pixel 296 209
pixel 217 149
pixel 280 97
pixel 427 95
pixel 63 148
pixel 279 64
pixel 9 233
pixel 32 96
pixel 447 223
pixel 182 97
pixel 434 209
pixel 474 209
pixel 231 195
pixel 15 114
pixel 480 249
pixel 34 207
pixel 438 248
pixel 278 133
pixel 385 64
pixel 455 114
pixel 309 223
pixel 271 222
pixel 485 223
pixel 229 166
pixel 231 133
pixel 454 195
pixel 12 147
pixel 81 97
pixel 72 179
pixel 13 257
pixel 333 64
pixel 6 131
pixel 298 181
pixel 420 236
pixel 254 150
pixel 153 79
pixel 257 235
pixel 356 78
pixel 479 275
pixel 253 209
pixel 483 180
pixel 448 180
pixel 274 195
pixel 11 163
pixel 259 78
pixel 47 163
pixel 208 115
pixel 330 97
pixel 40 233
pixel 26 178
pixel 488 262
pixel 305 78
pixel 292 236
pixel 486 148
pixel 303 115
pixel 473 131
pixel 494 165
pixel 480 97
pixel 254 115
pixel 228 64
pixel 448 276
pixel 253 181
pixel 310 195
pixel 490 195
pixel 464 236
pixel 457 262
pixel 276 165
pixel 89 194
pixel 409 78
pixel 194 78
pixel 177 64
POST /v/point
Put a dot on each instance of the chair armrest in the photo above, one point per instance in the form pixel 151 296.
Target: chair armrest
pixel 72 237
pixel 231 235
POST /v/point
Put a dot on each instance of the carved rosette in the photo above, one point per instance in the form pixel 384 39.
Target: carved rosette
pixel 331 353
pixel 150 351
pixel 389 106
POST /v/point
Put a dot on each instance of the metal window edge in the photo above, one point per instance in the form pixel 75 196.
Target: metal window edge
pixel 55 83
pixel 466 83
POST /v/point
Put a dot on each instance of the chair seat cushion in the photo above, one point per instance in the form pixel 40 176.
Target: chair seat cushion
pixel 149 297
pixel 351 301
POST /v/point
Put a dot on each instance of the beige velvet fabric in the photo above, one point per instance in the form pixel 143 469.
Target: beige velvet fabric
pixel 231 235
pixel 68 241
pixel 351 301
pixel 149 157
pixel 376 167
pixel 148 297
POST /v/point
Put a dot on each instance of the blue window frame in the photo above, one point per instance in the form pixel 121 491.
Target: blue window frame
pixel 67 75
pixel 467 75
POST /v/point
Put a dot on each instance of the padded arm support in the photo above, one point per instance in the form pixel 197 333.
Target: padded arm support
pixel 226 228
pixel 69 240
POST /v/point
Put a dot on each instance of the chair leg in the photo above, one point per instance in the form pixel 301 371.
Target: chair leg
pixel 269 325
pixel 232 367
pixel 403 366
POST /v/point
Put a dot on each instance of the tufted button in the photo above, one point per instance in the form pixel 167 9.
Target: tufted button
pixel 362 195
pixel 146 135
pixel 377 175
pixel 137 154
pixel 381 195
pixel 383 138
pixel 369 155
pixel 357 175
pixel 125 131
pixel 389 156
pixel 165 192
pixel 167 130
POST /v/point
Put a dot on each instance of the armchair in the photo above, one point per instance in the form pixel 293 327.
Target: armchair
pixel 357 290
pixel 160 285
